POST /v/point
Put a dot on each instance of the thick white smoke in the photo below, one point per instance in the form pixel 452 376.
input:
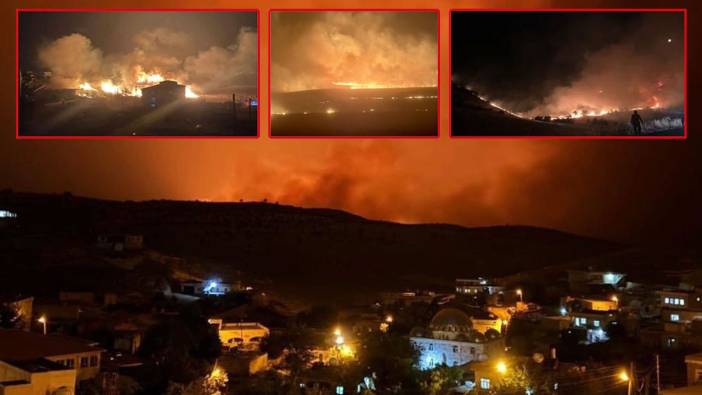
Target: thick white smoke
pixel 70 59
pixel 216 71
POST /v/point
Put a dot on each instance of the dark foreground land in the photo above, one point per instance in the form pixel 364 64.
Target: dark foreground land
pixel 356 112
pixel 127 116
pixel 472 116
pixel 307 253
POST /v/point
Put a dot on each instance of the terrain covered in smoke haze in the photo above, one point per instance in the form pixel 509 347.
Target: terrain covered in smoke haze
pixel 572 64
pixel 354 73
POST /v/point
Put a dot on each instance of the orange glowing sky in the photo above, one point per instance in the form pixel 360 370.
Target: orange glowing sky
pixel 629 190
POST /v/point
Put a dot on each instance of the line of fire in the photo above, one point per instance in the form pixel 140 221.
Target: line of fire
pixel 162 79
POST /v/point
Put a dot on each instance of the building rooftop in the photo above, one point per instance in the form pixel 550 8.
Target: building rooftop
pixel 243 325
pixel 37 365
pixel 18 345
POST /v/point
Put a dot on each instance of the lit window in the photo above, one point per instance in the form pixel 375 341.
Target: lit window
pixel 675 317
pixel 666 300
pixel 485 383
pixel 682 302
pixel 339 389
pixel 596 323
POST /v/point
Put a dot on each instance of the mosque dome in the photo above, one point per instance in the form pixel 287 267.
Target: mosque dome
pixel 451 319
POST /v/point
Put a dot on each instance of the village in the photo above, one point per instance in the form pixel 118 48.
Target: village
pixel 589 331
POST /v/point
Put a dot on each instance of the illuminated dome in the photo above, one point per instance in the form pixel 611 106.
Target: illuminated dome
pixel 451 319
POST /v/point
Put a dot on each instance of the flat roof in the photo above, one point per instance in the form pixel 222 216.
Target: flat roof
pixel 37 365
pixel 18 345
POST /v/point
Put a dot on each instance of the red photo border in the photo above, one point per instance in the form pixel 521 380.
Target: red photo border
pixel 97 137
pixel 566 137
pixel 437 11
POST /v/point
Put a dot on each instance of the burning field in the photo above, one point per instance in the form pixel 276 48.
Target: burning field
pixel 137 73
pixel 568 73
pixel 354 73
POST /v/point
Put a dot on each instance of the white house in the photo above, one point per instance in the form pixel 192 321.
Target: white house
pixel 451 340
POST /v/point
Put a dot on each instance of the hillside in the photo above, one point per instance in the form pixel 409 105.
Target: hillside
pixel 315 250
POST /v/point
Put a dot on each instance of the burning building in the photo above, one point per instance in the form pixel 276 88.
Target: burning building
pixel 163 93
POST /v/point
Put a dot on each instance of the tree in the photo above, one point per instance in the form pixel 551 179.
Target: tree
pixel 392 359
pixel 441 379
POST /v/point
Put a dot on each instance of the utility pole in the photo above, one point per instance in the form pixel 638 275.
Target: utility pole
pixel 632 378
pixel 658 374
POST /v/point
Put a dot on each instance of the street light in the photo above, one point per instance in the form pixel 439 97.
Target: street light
pixel 389 319
pixel 520 294
pixel 623 376
pixel 501 367
pixel 42 320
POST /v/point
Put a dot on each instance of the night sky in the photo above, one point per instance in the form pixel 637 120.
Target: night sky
pixel 527 60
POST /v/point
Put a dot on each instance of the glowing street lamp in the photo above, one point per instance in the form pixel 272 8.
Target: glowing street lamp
pixel 501 367
pixel 520 294
pixel 623 376
pixel 614 298
pixel 42 320
pixel 389 319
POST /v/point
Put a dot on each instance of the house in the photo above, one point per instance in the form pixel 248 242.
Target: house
pixel 240 335
pixel 680 324
pixel 73 353
pixel 595 324
pixel 7 218
pixel 211 287
pixel 593 303
pixel 40 376
pixel 451 339
pixel 407 298
pixel 164 93
pixel 476 286
pixel 681 306
pixel 587 280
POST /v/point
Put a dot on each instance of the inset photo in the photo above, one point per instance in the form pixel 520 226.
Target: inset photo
pixel 145 73
pixel 354 73
pixel 563 73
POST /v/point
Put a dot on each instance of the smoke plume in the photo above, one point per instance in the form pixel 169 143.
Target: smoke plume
pixel 74 59
pixel 560 63
pixel 316 50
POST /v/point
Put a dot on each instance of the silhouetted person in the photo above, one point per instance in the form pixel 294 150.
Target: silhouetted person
pixel 636 122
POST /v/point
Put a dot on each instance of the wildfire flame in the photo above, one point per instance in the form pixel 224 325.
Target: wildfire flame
pixel 190 94
pixel 85 89
pixel 154 78
pixel 360 85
